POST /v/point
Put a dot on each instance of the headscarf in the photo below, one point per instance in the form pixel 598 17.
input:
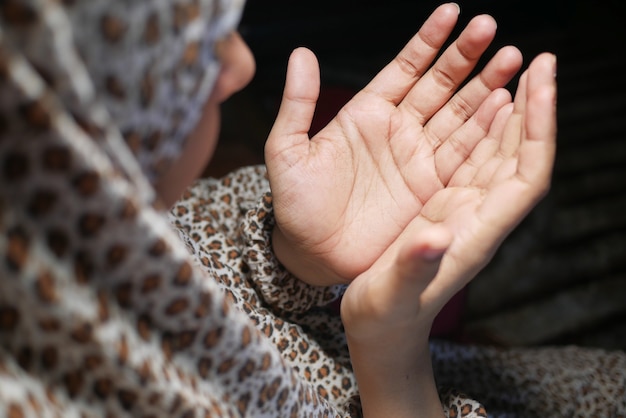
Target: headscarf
pixel 103 312
pixel 107 310
pixel 136 70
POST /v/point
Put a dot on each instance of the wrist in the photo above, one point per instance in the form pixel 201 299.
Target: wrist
pixel 395 379
pixel 303 266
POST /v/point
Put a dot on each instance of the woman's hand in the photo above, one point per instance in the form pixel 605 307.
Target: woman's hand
pixel 402 148
pixel 387 326
pixel 388 310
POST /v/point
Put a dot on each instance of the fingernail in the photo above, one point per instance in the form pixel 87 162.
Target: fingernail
pixel 457 7
pixel 554 66
pixel 432 254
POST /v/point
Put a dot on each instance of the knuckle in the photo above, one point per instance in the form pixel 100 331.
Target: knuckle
pixel 461 108
pixel 444 79
pixel 406 64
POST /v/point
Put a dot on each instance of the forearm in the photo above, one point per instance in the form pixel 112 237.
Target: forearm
pixel 401 385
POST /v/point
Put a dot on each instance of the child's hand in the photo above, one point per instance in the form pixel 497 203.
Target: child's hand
pixel 388 310
pixel 408 147
pixel 387 317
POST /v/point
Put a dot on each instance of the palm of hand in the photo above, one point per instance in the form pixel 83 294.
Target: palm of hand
pixel 367 174
pixel 405 149
pixel 373 170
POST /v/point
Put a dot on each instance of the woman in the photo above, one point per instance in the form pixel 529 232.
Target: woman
pixel 109 110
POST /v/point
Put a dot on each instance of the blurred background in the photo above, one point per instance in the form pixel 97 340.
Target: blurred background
pixel 560 278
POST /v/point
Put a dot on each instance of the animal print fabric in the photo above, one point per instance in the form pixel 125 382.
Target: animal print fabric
pixel 521 382
pixel 110 306
pixel 103 309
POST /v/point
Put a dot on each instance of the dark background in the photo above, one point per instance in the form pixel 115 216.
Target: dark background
pixel 561 276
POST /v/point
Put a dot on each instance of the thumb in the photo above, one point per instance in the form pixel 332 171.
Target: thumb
pixel 302 86
pixel 419 260
pixel 417 265
pixel 391 291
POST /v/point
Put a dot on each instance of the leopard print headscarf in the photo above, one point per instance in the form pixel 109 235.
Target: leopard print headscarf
pixel 131 71
pixel 103 312
pixel 111 307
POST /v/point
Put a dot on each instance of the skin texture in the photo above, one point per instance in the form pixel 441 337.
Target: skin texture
pixel 353 187
pixel 436 177
pixel 394 302
pixel 480 210
pixel 406 194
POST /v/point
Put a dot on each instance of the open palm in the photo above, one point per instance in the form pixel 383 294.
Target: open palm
pixel 408 148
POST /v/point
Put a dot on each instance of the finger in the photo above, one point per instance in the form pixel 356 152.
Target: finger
pixel 419 260
pixel 457 149
pixel 418 265
pixel 535 159
pixel 489 159
pixel 496 74
pixel 398 291
pixel 289 135
pixel 441 81
pixel 538 146
pixel 397 78
pixel 499 162
pixel 514 128
pixel 485 151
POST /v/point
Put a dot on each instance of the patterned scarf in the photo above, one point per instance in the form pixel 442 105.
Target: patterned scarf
pixel 102 310
pixel 105 311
